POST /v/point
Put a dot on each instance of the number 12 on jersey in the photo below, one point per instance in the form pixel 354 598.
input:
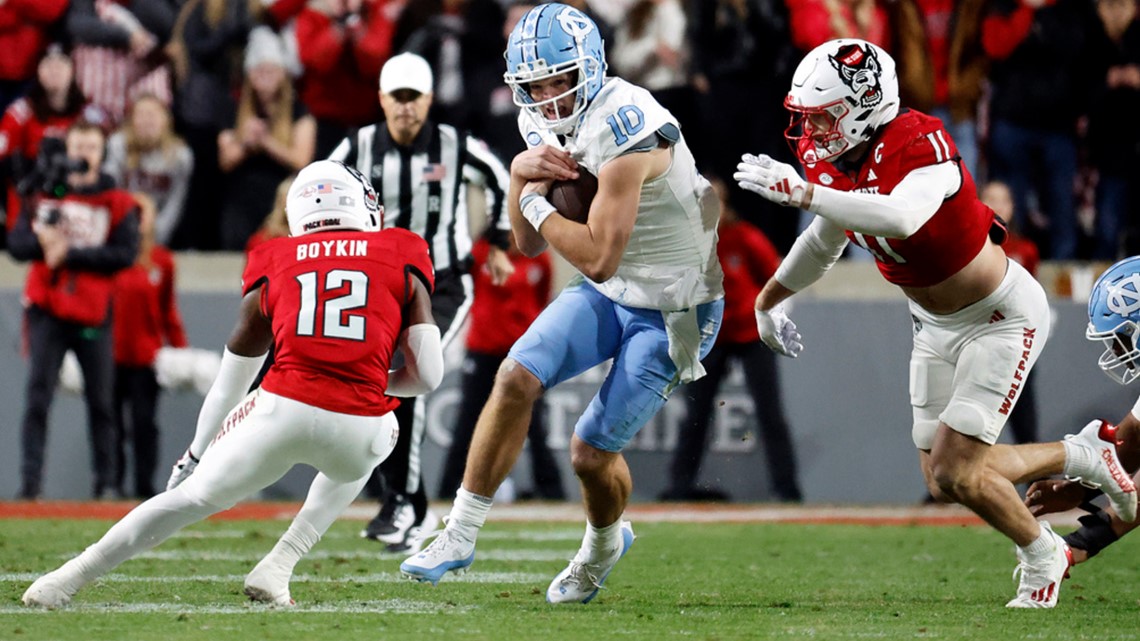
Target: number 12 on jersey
pixel 338 321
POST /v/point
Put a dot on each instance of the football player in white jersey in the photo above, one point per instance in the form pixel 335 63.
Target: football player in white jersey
pixel 649 296
pixel 1114 319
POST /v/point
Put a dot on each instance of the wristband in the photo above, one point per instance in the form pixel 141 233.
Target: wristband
pixel 536 209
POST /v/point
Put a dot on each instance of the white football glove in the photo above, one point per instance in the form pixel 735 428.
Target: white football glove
pixel 779 332
pixel 181 470
pixel 774 180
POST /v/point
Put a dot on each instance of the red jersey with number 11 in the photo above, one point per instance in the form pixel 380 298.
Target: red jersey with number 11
pixel 951 238
pixel 335 301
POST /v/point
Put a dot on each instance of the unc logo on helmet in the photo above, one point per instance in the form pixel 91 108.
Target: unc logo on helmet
pixel 329 195
pixel 1124 297
pixel 1114 319
pixel 551 40
pixel 859 68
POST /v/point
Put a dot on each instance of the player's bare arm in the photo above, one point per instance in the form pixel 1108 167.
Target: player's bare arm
pixel 253 335
pixel 596 247
pixel 542 163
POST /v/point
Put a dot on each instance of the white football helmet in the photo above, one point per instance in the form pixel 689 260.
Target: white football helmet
pixel 842 93
pixel 329 195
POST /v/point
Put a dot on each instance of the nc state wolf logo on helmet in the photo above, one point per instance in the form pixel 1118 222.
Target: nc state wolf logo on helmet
pixel 860 70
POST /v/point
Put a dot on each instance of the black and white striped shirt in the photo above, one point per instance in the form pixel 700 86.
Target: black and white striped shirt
pixel 423 185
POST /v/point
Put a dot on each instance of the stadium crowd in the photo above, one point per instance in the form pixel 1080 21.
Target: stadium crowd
pixel 1037 93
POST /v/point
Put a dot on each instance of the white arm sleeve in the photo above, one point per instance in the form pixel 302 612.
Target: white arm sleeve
pixel 235 375
pixel 423 362
pixel 813 253
pixel 896 215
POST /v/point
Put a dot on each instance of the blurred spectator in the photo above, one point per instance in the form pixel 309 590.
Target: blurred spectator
pixel 500 314
pixel 145 318
pixel 1114 131
pixel 146 156
pixel 1041 82
pixel 496 119
pixel 275 225
pixel 278 13
pixel 53 103
pixel 118 50
pixel 742 66
pixel 748 260
pixel 24 34
pixel 651 49
pixel 342 45
pixel 273 137
pixel 814 22
pixel 997 196
pixel 941 65
pixel 206 53
pixel 462 41
pixel 76 243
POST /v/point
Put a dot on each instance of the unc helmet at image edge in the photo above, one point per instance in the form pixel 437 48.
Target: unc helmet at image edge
pixel 552 39
pixel 329 195
pixel 1114 319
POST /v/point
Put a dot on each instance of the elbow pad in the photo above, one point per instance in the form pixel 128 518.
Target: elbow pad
pixel 423 362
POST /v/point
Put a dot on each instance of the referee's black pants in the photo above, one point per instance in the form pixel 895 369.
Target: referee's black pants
pixel 401 473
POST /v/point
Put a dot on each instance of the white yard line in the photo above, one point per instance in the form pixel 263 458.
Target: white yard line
pixel 387 606
pixel 382 577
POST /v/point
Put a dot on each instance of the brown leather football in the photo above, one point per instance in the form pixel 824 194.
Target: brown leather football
pixel 572 198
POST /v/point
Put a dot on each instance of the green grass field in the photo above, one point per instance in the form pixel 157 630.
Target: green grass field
pixel 690 581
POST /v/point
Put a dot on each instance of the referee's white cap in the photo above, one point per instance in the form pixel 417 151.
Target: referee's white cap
pixel 406 71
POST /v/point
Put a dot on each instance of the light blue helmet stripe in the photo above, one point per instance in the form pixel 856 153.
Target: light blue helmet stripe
pixel 529 36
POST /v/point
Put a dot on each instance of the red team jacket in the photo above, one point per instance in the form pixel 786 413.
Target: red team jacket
pixel 748 260
pixel 500 314
pixel 81 296
pixel 956 232
pixel 21 133
pixel 146 316
pixel 335 301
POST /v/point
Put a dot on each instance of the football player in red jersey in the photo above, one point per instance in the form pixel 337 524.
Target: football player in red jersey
pixel 891 181
pixel 335 299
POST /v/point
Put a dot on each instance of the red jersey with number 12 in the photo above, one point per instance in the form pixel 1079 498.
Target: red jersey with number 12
pixel 954 234
pixel 335 301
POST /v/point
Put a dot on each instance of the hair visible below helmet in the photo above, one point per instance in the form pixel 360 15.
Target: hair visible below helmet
pixel 1114 319
pixel 550 40
pixel 329 195
pixel 854 82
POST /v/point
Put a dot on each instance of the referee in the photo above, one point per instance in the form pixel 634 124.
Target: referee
pixel 420 171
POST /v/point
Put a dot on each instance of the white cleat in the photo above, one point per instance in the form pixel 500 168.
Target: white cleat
pixel 49 592
pixel 1041 578
pixel 1109 476
pixel 269 583
pixel 583 578
pixel 449 552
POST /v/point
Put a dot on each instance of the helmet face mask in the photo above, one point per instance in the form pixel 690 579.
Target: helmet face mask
pixel 552 40
pixel 852 81
pixel 329 195
pixel 1114 319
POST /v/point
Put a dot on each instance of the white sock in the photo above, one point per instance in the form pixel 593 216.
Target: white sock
pixel 1040 546
pixel 1079 460
pixel 294 544
pixel 602 542
pixel 468 513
